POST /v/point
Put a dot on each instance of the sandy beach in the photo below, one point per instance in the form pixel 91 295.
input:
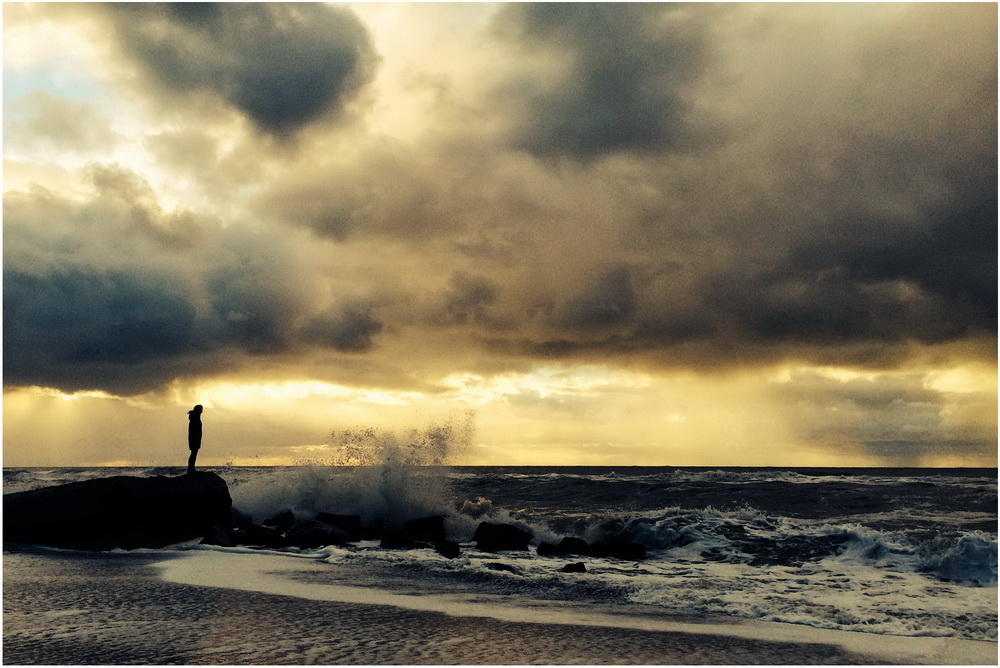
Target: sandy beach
pixel 72 608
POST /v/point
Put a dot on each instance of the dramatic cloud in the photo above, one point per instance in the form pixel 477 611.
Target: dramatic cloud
pixel 350 328
pixel 433 202
pixel 284 66
pixel 612 77
pixel 895 419
pixel 114 294
pixel 469 299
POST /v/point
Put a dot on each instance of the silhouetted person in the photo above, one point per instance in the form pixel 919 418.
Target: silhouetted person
pixel 194 435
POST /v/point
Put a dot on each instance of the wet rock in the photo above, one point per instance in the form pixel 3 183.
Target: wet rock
pixel 258 536
pixel 546 549
pixel 430 529
pixel 241 519
pixel 216 536
pixel 491 537
pixel 619 549
pixel 572 545
pixel 448 548
pixel 119 511
pixel 311 534
pixel 578 567
pixel 283 521
pixel 349 524
pixel 401 541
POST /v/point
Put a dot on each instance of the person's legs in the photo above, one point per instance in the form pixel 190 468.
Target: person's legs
pixel 194 455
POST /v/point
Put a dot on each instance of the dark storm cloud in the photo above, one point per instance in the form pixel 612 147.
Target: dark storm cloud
pixel 89 329
pixel 254 313
pixel 468 299
pixel 111 293
pixel 282 65
pixel 350 328
pixel 953 260
pixel 622 81
pixel 865 275
pixel 610 300
pixel 845 214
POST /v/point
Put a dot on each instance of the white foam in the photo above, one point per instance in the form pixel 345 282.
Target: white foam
pixel 269 573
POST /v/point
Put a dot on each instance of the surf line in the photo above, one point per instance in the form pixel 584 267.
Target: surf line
pixel 264 573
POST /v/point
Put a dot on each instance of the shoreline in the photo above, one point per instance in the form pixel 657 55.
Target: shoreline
pixel 264 573
pixel 114 608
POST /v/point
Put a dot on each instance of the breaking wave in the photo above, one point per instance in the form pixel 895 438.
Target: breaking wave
pixel 384 476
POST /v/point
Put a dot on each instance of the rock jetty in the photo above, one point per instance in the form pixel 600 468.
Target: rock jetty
pixel 119 511
pixel 131 512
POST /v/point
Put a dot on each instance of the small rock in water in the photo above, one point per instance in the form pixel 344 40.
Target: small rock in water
pixel 578 567
pixel 349 524
pixel 545 549
pixel 572 545
pixel 313 533
pixel 401 541
pixel 282 521
pixel 426 529
pixel 491 537
pixel 619 549
pixel 448 548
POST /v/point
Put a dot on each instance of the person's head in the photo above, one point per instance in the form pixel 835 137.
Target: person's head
pixel 196 410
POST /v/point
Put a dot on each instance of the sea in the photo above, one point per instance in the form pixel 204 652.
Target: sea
pixel 880 551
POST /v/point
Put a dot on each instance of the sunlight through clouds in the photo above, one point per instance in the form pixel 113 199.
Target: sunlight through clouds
pixel 633 233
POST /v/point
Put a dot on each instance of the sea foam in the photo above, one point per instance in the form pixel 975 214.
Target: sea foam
pixel 384 476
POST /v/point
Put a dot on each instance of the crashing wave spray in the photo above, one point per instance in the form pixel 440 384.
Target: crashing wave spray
pixel 386 477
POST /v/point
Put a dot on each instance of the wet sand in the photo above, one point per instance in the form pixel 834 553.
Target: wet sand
pixel 73 608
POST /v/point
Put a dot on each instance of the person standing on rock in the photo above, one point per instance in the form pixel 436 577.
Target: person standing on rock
pixel 194 435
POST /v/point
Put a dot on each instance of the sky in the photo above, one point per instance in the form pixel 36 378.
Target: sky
pixel 513 234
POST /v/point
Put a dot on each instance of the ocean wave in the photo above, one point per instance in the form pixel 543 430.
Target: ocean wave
pixel 389 495
pixel 857 561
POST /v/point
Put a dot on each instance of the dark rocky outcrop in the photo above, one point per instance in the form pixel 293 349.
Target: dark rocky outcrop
pixel 259 536
pixel 240 519
pixel 119 511
pixel 618 549
pixel 283 521
pixel 448 548
pixel 491 537
pixel 424 532
pixel 430 529
pixel 216 536
pixel 400 541
pixel 313 533
pixel 546 549
pixel 130 512
pixel 349 524
pixel 572 545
